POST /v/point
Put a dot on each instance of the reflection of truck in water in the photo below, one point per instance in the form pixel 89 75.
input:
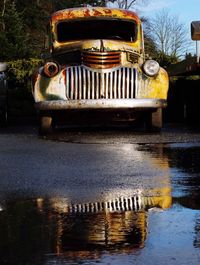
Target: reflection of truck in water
pixel 118 221
pixel 111 219
pixel 96 62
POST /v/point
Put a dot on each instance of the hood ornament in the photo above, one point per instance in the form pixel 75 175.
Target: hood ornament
pixel 102 48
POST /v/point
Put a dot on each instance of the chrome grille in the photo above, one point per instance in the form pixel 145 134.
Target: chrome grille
pixel 135 203
pixel 101 60
pixel 85 83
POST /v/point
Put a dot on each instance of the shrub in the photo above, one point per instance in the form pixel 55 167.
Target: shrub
pixel 20 71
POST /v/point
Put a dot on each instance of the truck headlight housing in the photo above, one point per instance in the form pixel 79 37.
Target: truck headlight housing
pixel 151 67
pixel 51 69
pixel 3 66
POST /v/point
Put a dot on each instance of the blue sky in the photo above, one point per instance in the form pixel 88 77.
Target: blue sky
pixel 186 10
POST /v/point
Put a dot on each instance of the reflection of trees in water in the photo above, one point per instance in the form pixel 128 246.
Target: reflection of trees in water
pixel 23 234
pixel 187 160
pixel 186 180
pixel 197 233
pixel 191 201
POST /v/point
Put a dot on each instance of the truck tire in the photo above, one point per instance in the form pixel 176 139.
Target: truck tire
pixel 154 121
pixel 3 116
pixel 45 124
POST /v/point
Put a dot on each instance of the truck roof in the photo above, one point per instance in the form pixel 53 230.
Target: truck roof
pixel 93 12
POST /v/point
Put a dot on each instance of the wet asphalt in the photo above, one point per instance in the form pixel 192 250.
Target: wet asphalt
pixel 100 196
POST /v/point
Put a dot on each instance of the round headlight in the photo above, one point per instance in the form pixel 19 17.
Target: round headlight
pixel 3 67
pixel 51 69
pixel 151 67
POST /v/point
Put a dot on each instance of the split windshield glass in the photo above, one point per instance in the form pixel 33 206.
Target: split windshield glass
pixel 96 29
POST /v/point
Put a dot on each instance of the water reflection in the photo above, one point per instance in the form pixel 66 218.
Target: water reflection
pixel 31 228
pixel 39 231
pixel 197 232
pixel 183 162
pixel 184 165
pixel 106 228
pixel 23 233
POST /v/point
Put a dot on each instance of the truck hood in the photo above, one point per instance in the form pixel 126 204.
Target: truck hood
pixel 96 45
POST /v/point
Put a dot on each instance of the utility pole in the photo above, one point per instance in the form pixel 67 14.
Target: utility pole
pixel 195 33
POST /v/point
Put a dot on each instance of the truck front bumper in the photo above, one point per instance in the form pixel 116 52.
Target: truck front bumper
pixel 104 104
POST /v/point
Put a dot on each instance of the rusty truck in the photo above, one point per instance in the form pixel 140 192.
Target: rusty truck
pixel 95 61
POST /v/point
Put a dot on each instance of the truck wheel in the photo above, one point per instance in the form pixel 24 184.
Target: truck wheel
pixel 45 124
pixel 153 121
pixel 4 117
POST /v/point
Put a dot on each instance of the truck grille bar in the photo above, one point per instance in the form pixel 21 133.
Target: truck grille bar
pixel 101 60
pixel 135 203
pixel 83 83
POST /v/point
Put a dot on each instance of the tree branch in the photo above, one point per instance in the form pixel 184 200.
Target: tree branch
pixel 3 13
pixel 130 4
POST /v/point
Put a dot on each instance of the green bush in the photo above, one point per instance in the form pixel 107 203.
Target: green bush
pixel 20 71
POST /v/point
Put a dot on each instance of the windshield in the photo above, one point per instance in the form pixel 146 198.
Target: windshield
pixel 96 29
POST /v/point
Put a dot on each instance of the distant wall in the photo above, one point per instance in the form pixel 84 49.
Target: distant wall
pixel 183 101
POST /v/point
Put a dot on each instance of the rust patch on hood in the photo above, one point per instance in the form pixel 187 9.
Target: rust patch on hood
pixel 86 13
pixel 97 13
pixel 73 13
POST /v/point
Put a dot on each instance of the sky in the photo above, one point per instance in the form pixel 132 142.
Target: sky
pixel 186 10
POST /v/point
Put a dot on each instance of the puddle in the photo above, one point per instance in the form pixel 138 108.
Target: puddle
pixel 37 229
pixel 150 215
pixel 49 231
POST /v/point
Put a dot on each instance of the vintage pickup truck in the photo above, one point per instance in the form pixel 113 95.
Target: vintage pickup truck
pixel 96 62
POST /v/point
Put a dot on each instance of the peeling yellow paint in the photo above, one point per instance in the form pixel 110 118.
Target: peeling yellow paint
pixel 72 13
pixel 153 87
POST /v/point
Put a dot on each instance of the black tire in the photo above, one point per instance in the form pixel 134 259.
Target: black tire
pixel 153 122
pixel 4 117
pixel 45 124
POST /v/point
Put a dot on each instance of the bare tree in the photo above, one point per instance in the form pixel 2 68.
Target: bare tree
pixel 169 35
pixel 126 4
